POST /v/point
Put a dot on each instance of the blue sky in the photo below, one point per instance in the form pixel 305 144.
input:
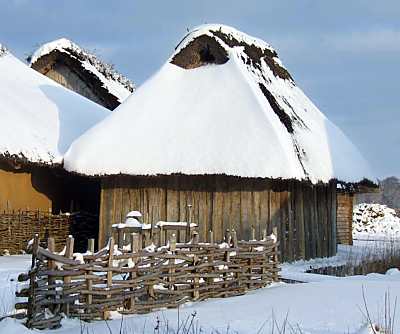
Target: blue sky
pixel 345 55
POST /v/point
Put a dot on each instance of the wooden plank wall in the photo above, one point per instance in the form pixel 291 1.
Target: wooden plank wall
pixel 303 213
pixel 344 214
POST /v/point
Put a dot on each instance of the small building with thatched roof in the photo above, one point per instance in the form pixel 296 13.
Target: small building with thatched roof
pixel 39 121
pixel 82 72
pixel 231 136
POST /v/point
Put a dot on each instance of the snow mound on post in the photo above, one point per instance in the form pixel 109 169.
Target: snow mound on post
pixel 116 84
pixel 222 104
pixel 39 118
pixel 375 221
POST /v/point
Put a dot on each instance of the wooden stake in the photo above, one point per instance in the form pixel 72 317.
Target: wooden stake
pixel 211 237
pixel 91 245
pixel 106 313
pixel 120 238
pixel 69 250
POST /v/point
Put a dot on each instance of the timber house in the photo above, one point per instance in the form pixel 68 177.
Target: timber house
pixel 39 120
pixel 82 72
pixel 231 136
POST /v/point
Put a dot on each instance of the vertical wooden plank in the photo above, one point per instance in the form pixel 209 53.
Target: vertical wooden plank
pixel 173 199
pixel 246 214
pixel 106 209
pixel 218 208
pixel 313 227
pixel 264 208
pixel 299 208
pixel 256 209
pixel 323 219
pixel 235 209
pixel 291 222
pixel 328 219
pixel 318 238
pixel 227 206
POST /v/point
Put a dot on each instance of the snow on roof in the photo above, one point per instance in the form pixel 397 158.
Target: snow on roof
pixel 115 83
pixel 222 104
pixel 3 50
pixel 39 118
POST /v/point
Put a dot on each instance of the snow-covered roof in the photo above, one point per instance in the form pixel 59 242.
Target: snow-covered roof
pixel 39 118
pixel 114 82
pixel 3 50
pixel 222 104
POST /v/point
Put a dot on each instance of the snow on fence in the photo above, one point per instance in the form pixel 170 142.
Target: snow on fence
pixel 133 280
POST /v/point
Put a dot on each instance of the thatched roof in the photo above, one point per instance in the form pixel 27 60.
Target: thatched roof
pixel 106 83
pixel 39 118
pixel 222 104
pixel 3 50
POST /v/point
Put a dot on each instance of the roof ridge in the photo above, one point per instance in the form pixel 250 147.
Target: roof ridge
pixel 3 50
pixel 66 45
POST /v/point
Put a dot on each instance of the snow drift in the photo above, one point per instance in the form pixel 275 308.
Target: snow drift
pixel 114 82
pixel 39 118
pixel 375 221
pixel 222 104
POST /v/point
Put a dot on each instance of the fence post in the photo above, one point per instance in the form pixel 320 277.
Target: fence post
pixel 106 313
pixel 196 293
pixel 69 251
pixel 234 239
pixel 120 238
pixel 236 246
pixel 162 237
pixel 51 265
pixel 228 237
pixel 136 245
pixel 195 237
pixel 32 281
pixel 90 247
pixel 210 237
pixel 210 258
pixel 171 271
pixel 227 259
pixel 135 242
pixel 89 282
pixel 276 254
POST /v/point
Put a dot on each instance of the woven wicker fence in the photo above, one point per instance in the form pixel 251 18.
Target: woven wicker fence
pixel 141 280
pixel 18 227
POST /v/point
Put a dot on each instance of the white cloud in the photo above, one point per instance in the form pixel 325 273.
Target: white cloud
pixel 382 40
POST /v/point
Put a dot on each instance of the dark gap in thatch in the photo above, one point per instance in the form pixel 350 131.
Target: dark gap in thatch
pixel 255 54
pixel 284 118
pixel 201 51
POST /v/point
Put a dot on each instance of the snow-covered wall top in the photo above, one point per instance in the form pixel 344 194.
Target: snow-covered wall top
pixel 116 84
pixel 39 118
pixel 222 104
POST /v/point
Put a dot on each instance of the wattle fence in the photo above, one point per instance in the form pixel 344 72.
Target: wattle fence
pixel 133 280
pixel 17 227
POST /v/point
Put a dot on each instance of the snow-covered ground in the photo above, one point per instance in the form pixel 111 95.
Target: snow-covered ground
pixel 324 305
